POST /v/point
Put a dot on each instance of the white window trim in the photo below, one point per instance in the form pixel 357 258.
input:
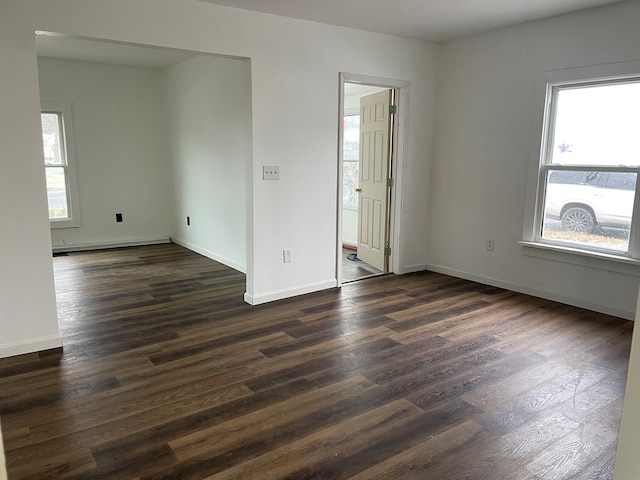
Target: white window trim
pixel 69 152
pixel 628 263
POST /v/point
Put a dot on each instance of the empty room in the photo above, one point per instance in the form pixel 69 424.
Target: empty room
pixel 173 302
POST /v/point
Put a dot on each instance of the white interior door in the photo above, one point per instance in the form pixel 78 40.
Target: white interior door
pixel 374 165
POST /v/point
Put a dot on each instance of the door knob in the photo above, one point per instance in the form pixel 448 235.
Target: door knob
pixel 358 189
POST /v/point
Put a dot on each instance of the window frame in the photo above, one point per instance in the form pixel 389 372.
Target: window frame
pixel 67 151
pixel 548 86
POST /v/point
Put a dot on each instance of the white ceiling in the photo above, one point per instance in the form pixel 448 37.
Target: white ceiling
pixel 357 90
pixel 430 20
pixel 85 50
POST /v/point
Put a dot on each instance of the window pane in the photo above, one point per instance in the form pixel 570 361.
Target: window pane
pixel 589 208
pixel 351 157
pixel 51 139
pixel 597 125
pixel 350 183
pixel 351 146
pixel 57 193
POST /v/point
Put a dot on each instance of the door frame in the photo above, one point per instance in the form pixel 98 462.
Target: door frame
pixel 397 159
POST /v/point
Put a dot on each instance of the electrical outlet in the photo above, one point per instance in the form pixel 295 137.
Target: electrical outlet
pixel 286 255
pixel 270 172
pixel 490 244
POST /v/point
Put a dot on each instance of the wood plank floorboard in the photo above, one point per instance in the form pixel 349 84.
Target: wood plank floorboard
pixel 167 374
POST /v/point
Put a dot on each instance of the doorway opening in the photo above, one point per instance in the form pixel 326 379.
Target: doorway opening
pixel 151 128
pixel 369 181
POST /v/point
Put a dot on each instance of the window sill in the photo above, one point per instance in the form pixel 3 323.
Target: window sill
pixel 575 256
pixel 63 224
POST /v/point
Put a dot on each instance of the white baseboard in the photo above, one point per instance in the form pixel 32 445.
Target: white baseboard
pixel 568 300
pixel 289 292
pixel 30 346
pixel 412 269
pixel 104 245
pixel 210 254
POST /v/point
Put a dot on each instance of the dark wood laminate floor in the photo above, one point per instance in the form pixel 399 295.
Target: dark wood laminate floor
pixel 167 374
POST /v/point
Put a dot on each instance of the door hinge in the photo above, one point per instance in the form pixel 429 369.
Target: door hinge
pixel 387 251
pixel 393 109
pixel 390 182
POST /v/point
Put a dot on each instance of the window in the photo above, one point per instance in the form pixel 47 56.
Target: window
pixel 351 157
pixel 58 162
pixel 587 175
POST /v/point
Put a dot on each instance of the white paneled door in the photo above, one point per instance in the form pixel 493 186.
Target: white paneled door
pixel 374 165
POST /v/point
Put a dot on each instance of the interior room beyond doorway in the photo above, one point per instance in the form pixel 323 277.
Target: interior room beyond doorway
pixel 353 267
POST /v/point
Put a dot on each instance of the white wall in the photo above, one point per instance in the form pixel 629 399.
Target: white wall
pixel 121 153
pixel 350 225
pixel 486 114
pixel 209 115
pixel 294 69
pixel 27 299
